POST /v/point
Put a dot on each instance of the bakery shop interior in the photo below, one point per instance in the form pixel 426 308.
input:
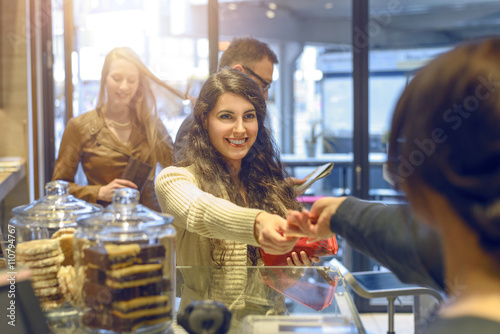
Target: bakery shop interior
pixel 249 166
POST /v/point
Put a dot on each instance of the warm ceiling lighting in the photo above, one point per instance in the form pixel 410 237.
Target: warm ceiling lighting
pixel 270 14
pixel 232 6
pixel 272 6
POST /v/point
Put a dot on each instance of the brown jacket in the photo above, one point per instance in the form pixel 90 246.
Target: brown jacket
pixel 87 140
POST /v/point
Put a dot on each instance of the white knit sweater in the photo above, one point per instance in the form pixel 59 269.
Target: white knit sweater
pixel 199 216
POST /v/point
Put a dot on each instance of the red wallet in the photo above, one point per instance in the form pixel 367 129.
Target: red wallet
pixel 318 249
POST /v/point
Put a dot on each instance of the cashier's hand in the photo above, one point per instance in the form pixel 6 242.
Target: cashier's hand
pixel 269 232
pixel 304 260
pixel 315 223
pixel 106 192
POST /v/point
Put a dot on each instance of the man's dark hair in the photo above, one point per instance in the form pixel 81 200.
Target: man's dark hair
pixel 246 51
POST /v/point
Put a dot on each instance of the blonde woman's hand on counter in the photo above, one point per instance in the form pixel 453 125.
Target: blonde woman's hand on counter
pixel 106 192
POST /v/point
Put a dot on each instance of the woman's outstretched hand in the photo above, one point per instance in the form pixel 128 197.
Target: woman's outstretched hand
pixel 269 232
pixel 106 192
pixel 314 224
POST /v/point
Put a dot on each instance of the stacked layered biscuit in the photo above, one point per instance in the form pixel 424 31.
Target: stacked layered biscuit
pixel 65 237
pixel 44 258
pixel 51 264
pixel 124 287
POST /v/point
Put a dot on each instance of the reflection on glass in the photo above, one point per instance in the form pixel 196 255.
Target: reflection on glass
pixel 274 294
pixel 161 32
pixel 59 72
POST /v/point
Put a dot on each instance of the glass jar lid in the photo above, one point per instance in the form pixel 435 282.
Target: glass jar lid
pixel 125 216
pixel 56 206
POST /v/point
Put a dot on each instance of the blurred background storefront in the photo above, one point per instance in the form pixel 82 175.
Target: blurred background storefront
pixel 342 66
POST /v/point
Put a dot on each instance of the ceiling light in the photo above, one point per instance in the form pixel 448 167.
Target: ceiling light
pixel 272 6
pixel 232 6
pixel 270 14
pixel 328 5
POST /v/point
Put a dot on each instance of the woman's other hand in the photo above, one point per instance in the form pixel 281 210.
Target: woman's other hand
pixel 293 181
pixel 304 259
pixel 106 192
pixel 269 232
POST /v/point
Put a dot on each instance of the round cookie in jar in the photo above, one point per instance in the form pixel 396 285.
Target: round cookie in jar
pixel 44 233
pixel 125 267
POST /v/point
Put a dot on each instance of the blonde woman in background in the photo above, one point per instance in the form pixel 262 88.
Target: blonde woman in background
pixel 124 129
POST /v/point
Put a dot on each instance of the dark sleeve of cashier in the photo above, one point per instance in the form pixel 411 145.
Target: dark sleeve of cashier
pixel 392 236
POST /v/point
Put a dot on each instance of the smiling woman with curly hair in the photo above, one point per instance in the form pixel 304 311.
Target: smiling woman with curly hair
pixel 229 197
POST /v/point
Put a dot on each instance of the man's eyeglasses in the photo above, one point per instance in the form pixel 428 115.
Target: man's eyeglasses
pixel 266 84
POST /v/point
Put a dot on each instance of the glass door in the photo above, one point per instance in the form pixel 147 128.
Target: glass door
pixel 310 99
pixel 171 42
pixel 403 38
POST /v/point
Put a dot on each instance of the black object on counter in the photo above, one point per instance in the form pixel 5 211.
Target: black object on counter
pixel 205 317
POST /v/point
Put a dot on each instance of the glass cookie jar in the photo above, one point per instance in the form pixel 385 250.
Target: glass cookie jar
pixel 44 233
pixel 125 269
pixel 55 211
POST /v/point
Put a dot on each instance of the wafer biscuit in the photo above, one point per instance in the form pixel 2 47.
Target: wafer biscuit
pixel 44 283
pixel 38 256
pixel 44 277
pixel 44 292
pixel 142 313
pixel 65 237
pixel 66 242
pixel 140 303
pixel 67 283
pixel 112 256
pixel 35 247
pixel 63 231
pixel 45 270
pixel 47 262
pixel 124 286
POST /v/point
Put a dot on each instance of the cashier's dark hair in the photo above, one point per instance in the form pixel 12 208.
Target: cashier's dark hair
pixel 262 175
pixel 445 133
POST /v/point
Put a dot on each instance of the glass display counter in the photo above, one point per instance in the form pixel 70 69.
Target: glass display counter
pixel 273 299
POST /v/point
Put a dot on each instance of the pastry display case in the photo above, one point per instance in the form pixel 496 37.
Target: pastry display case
pixel 44 232
pixel 125 268
pixel 310 299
